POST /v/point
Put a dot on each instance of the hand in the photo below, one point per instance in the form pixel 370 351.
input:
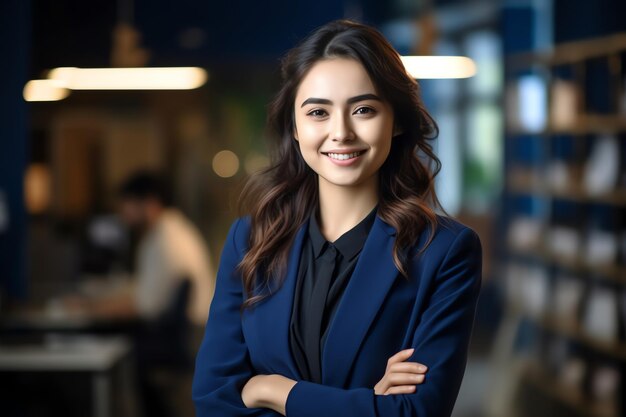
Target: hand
pixel 267 391
pixel 251 392
pixel 401 377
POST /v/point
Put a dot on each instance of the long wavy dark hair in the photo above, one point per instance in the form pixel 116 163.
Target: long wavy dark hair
pixel 280 198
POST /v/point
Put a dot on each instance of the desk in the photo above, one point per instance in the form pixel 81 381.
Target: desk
pixel 41 320
pixel 98 356
pixel 54 315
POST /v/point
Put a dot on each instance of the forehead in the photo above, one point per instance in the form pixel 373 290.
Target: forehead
pixel 335 79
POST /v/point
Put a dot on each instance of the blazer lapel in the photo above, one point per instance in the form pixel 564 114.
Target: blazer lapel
pixel 369 284
pixel 272 315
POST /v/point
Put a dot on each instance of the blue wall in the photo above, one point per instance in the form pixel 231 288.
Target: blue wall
pixel 14 61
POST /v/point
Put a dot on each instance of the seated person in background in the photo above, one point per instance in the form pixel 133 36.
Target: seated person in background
pixel 170 248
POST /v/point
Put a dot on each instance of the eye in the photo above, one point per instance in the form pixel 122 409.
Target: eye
pixel 364 110
pixel 317 113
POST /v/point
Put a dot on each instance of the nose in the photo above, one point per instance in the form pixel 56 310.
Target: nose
pixel 341 130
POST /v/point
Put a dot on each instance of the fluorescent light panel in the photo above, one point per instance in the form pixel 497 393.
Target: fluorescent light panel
pixel 45 90
pixel 156 78
pixel 61 80
pixel 423 67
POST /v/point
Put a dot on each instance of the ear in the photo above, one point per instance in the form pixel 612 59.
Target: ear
pixel 295 134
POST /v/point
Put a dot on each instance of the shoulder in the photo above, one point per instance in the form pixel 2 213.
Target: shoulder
pixel 448 237
pixel 449 230
pixel 180 228
pixel 237 238
pixel 452 261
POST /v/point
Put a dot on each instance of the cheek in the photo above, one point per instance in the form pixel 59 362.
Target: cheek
pixel 308 145
pixel 378 137
pixel 309 153
pixel 310 137
pixel 382 153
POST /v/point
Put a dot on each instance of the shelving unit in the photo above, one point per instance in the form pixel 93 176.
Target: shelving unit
pixel 574 193
pixel 611 272
pixel 572 400
pixel 530 193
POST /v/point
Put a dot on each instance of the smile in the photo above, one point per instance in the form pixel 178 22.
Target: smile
pixel 343 156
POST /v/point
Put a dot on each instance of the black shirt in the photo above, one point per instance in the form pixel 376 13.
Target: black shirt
pixel 324 271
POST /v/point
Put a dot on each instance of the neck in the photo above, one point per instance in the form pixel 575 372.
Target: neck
pixel 153 214
pixel 343 207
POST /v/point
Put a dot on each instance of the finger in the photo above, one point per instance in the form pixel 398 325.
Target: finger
pixel 396 379
pixel 382 387
pixel 403 389
pixel 412 367
pixel 401 356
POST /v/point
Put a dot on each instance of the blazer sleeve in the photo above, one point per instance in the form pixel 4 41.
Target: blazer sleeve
pixel 223 364
pixel 441 341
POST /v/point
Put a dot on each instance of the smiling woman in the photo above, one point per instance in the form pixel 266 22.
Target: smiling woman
pixel 342 122
pixel 341 292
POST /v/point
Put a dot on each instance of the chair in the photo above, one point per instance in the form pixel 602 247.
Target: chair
pixel 164 341
pixel 163 355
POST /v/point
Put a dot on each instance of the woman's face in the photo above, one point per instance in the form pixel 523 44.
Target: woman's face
pixel 344 128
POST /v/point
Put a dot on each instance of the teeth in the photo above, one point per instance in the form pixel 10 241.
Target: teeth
pixel 344 156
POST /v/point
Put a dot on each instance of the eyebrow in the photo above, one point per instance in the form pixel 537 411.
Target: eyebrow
pixel 351 100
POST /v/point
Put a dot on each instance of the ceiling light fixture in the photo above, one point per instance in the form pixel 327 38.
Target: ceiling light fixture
pixel 154 78
pixel 434 67
pixel 127 72
pixel 45 90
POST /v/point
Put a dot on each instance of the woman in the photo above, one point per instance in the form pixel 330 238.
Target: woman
pixel 342 292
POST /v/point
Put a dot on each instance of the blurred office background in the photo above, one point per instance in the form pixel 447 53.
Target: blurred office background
pixel 533 150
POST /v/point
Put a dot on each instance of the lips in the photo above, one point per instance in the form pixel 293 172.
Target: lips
pixel 342 156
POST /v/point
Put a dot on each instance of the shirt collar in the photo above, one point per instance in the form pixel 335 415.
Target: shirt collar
pixel 349 244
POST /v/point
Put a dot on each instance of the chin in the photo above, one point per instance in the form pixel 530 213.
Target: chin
pixel 344 180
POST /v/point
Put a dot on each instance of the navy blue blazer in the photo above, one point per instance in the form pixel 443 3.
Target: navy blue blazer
pixel 381 312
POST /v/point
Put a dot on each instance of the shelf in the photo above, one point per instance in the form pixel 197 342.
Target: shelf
pixel 585 124
pixel 570 52
pixel 566 395
pixel 610 272
pixel 573 331
pixel 576 194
